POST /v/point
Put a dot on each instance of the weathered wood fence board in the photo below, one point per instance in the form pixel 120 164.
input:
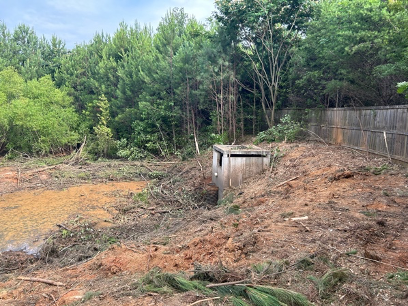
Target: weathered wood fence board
pixel 360 128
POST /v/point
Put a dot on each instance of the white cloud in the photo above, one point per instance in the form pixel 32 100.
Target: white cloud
pixel 76 21
pixel 77 6
pixel 201 9
pixel 44 22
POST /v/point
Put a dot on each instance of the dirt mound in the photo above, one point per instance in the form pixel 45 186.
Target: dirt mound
pixel 325 221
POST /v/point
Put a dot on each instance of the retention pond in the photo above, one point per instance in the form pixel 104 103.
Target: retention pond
pixel 26 217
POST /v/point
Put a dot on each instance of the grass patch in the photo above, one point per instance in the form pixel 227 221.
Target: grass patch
pixel 32 162
pixel 400 277
pixel 369 213
pixel 84 175
pixel 377 170
pixel 158 175
pixel 90 295
pixel 142 196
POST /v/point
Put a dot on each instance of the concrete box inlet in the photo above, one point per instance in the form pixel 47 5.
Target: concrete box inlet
pixel 232 164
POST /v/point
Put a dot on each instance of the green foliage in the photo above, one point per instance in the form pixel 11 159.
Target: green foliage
pixel 305 263
pixel 186 86
pixel 258 28
pixel 90 295
pixel 108 240
pixel 103 142
pixel 369 213
pixel 157 175
pixel 286 130
pixel 227 199
pixel 218 138
pixel 266 296
pixel 31 56
pixel 142 196
pixel 36 117
pixel 260 298
pixel 156 281
pixel 233 209
pixel 353 54
pixel 246 295
pixel 329 281
pixel 126 150
pixel 268 268
pixel 231 290
pixel 351 252
pixel 239 302
pixel 65 233
pixel 377 170
pixel 286 297
pixel 400 277
pixel 403 88
pixel 277 154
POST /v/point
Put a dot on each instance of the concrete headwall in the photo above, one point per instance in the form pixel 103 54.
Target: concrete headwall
pixel 233 164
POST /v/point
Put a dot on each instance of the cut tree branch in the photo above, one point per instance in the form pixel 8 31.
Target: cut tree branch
pixel 40 280
pixel 283 183
pixel 225 284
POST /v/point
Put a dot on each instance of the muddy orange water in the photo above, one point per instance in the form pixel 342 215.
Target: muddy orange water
pixel 26 216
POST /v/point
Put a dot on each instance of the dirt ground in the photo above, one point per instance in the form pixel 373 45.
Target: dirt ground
pixel 319 210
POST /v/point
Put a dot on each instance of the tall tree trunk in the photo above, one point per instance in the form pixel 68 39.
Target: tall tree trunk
pixel 194 132
pixel 242 117
pixel 222 102
pixel 188 106
pixel 173 126
pixel 254 110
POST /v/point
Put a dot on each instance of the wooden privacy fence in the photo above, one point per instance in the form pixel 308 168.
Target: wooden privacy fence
pixel 379 130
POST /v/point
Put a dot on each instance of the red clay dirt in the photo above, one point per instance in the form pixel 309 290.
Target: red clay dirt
pixel 336 208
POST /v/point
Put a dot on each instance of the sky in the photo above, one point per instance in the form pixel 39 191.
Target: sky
pixel 76 21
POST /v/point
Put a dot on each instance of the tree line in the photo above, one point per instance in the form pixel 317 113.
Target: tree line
pixel 185 85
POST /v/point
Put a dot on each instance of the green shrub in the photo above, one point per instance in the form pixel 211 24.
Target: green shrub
pixel 286 130
pixel 35 116
pixel 126 150
pixel 403 89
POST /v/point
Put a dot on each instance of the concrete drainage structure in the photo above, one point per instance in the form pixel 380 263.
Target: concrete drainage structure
pixel 232 164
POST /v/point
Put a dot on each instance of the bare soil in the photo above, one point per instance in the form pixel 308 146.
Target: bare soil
pixel 337 210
